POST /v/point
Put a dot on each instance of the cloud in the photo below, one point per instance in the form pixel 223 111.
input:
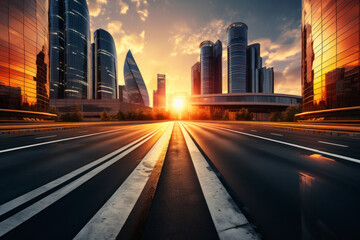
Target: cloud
pixel 124 40
pixel 288 81
pixel 286 48
pixel 95 7
pixel 124 7
pixel 186 41
pixel 141 8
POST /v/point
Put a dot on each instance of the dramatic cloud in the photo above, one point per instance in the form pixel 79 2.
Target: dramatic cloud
pixel 95 7
pixel 186 41
pixel 124 7
pixel 141 8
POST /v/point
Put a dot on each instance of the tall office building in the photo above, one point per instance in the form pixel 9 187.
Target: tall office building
pixel 93 81
pixel 330 55
pixel 70 58
pixel 254 66
pixel 218 66
pixel 123 96
pixel 266 80
pixel 105 65
pixel 24 56
pixel 135 85
pixel 237 44
pixel 159 97
pixel 195 79
pixel 211 67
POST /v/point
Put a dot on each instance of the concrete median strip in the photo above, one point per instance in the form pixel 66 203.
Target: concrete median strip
pixel 229 221
pixel 25 214
pixel 109 220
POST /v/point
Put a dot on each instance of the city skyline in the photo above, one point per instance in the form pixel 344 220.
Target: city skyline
pixel 172 45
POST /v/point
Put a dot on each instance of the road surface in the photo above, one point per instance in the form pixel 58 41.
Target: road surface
pixel 179 180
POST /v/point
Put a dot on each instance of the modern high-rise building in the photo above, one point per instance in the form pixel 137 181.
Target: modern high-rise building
pixel 218 66
pixel 70 58
pixel 123 96
pixel 93 81
pixel 135 85
pixel 195 79
pixel 24 56
pixel 254 66
pixel 159 96
pixel 237 44
pixel 105 65
pixel 266 80
pixel 211 67
pixel 330 58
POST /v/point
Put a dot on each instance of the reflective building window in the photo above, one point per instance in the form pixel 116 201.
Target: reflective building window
pixel 237 44
pixel 24 57
pixel 105 65
pixel 195 79
pixel 70 56
pixel 135 85
pixel 330 54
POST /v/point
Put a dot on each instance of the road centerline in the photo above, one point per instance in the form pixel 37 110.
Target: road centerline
pixel 229 221
pixel 109 220
pixel 333 144
pixel 27 213
pixel 51 136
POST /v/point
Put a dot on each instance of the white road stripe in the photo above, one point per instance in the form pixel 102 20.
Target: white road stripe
pixel 229 221
pixel 276 134
pixel 56 141
pixel 333 144
pixel 293 145
pixel 6 207
pixel 22 216
pixel 46 137
pixel 109 220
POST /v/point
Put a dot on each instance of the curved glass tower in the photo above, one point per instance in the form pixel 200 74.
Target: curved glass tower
pixel 24 56
pixel 70 49
pixel 237 44
pixel 134 82
pixel 207 67
pixel 105 66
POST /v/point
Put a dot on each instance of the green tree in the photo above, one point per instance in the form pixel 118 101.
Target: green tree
pixel 120 115
pixel 275 116
pixel 244 115
pixel 74 115
pixel 105 116
pixel 54 110
pixel 289 114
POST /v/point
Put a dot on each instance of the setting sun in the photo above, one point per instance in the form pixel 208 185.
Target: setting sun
pixel 178 104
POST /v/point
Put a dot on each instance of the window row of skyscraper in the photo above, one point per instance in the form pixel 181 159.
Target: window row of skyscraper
pixel 159 95
pixel 245 71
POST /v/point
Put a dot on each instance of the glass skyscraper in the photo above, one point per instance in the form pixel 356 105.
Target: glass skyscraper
pixel 70 58
pixel 237 44
pixel 254 65
pixel 105 66
pixel 330 54
pixel 159 96
pixel 135 85
pixel 211 67
pixel 24 57
pixel 195 79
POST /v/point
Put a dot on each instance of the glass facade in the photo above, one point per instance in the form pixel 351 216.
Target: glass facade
pixel 254 65
pixel 330 54
pixel 160 94
pixel 207 67
pixel 70 57
pixel 237 44
pixel 135 85
pixel 105 65
pixel 24 57
pixel 195 79
pixel 211 67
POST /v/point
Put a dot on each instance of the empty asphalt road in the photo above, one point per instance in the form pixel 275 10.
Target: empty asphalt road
pixel 179 180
